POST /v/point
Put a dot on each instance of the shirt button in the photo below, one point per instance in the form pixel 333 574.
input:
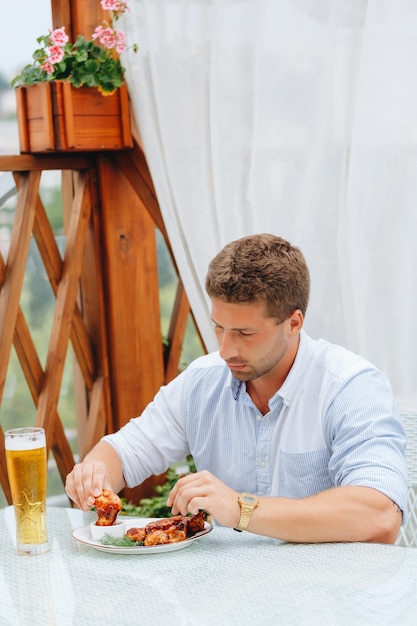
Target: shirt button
pixel 259 417
pixel 263 464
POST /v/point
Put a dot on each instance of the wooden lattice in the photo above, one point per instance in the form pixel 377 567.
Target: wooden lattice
pixel 107 297
pixel 44 384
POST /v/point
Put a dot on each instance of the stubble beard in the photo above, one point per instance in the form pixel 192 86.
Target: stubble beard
pixel 260 370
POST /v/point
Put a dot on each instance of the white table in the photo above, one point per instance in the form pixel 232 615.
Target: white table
pixel 224 578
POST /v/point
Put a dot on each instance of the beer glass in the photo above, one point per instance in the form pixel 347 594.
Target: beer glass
pixel 27 467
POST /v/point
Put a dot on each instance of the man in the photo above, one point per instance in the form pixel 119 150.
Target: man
pixel 307 431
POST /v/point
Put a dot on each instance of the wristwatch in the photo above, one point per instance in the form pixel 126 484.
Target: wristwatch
pixel 248 504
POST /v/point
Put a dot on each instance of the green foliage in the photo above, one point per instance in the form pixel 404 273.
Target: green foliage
pixel 157 505
pixel 166 271
pixel 120 542
pixel 52 200
pixel 92 66
pixel 192 346
pixel 84 65
pixel 39 293
pixel 168 282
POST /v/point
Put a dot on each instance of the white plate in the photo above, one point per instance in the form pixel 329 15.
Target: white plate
pixel 83 535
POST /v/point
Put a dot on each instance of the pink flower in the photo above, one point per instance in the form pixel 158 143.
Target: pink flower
pixel 97 32
pixel 113 5
pixel 109 5
pixel 48 67
pixel 59 37
pixel 107 38
pixel 56 54
pixel 120 42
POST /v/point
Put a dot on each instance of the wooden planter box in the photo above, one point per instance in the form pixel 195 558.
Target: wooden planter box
pixel 55 116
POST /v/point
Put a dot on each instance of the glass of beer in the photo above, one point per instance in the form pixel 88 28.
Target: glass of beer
pixel 26 460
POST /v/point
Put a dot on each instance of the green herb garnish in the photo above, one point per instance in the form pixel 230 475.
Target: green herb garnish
pixel 120 542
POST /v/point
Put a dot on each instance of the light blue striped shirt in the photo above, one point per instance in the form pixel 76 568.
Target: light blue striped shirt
pixel 333 422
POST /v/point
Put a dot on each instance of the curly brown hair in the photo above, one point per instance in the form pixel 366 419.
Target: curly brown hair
pixel 264 269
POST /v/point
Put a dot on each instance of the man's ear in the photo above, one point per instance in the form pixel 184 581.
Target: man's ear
pixel 296 321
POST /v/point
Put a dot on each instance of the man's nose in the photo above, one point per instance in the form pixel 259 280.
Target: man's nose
pixel 227 346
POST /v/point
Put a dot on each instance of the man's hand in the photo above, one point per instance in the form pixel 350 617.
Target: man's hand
pixel 86 481
pixel 203 491
pixel 101 469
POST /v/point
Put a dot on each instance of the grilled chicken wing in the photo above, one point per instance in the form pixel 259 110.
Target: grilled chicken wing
pixel 108 505
pixel 136 534
pixel 156 537
pixel 177 521
pixel 168 529
pixel 195 524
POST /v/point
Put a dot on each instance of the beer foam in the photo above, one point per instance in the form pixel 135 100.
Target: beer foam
pixel 26 442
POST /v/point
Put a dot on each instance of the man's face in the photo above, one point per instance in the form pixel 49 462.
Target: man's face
pixel 252 344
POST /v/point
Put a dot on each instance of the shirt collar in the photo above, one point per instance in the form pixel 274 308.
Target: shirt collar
pixel 295 375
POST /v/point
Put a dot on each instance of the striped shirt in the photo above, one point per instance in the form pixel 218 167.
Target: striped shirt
pixel 333 422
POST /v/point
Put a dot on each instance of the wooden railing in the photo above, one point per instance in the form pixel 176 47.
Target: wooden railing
pixel 106 291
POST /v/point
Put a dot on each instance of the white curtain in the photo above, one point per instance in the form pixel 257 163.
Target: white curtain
pixel 296 117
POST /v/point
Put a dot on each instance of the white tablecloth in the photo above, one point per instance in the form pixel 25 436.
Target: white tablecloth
pixel 224 578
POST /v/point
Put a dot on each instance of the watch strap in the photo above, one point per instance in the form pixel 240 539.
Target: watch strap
pixel 248 504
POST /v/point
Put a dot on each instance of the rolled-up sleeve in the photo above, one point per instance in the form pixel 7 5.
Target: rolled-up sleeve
pixel 147 445
pixel 366 437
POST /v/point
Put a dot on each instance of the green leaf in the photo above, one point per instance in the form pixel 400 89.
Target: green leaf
pixel 120 542
pixel 157 505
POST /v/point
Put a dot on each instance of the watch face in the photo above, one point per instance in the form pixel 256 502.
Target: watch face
pixel 247 499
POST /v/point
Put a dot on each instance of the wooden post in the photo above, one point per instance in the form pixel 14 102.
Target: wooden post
pixel 79 17
pixel 132 296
